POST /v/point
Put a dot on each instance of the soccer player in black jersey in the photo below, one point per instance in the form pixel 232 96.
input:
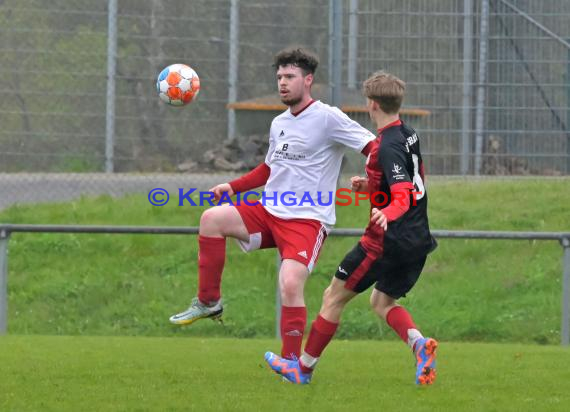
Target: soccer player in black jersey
pixel 393 250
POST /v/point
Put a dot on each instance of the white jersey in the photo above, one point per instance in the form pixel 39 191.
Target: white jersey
pixel 305 155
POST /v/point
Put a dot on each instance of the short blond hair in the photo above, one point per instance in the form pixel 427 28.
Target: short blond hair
pixel 385 89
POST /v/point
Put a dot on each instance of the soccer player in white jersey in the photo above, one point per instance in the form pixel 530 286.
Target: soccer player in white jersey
pixel 306 145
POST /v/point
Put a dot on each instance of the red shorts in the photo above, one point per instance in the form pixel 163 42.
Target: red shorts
pixel 297 239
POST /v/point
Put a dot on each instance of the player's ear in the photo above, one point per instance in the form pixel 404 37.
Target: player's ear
pixel 309 79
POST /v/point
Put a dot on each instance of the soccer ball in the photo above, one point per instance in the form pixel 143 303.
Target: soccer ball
pixel 178 85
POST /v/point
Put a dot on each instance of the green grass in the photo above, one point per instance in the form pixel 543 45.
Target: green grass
pixel 471 290
pixel 65 373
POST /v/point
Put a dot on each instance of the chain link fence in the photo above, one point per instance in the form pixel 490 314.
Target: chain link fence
pixel 488 86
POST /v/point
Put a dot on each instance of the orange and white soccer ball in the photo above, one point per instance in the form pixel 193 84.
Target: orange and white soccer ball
pixel 178 85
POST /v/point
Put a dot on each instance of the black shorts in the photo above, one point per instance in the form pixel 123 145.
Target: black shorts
pixel 393 276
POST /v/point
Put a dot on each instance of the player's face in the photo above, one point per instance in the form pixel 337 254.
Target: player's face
pixel 292 84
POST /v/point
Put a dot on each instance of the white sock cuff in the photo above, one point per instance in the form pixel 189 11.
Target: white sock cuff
pixel 308 360
pixel 413 336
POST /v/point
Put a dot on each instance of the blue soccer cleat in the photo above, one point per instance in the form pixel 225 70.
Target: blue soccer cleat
pixel 425 361
pixel 289 369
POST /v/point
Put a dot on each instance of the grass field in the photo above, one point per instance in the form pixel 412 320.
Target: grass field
pixel 471 290
pixel 64 373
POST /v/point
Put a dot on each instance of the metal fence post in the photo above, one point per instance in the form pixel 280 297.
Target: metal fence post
pixel 352 43
pixel 568 113
pixel 233 67
pixel 467 85
pixel 565 329
pixel 111 73
pixel 335 52
pixel 4 238
pixel 481 88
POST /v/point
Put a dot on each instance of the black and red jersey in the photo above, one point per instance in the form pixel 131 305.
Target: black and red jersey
pixel 395 161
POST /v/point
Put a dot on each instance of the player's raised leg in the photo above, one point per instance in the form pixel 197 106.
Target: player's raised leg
pixel 399 319
pixel 216 224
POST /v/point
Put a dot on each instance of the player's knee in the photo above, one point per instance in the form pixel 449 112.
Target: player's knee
pixel 327 296
pixel 290 287
pixel 378 306
pixel 332 299
pixel 382 310
pixel 209 218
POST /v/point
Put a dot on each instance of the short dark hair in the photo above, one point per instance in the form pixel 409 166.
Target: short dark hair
pixel 296 56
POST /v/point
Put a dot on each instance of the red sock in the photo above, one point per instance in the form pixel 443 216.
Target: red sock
pixel 322 331
pixel 211 259
pixel 293 321
pixel 400 320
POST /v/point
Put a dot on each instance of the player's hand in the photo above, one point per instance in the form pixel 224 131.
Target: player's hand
pixel 359 184
pixel 220 189
pixel 378 218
